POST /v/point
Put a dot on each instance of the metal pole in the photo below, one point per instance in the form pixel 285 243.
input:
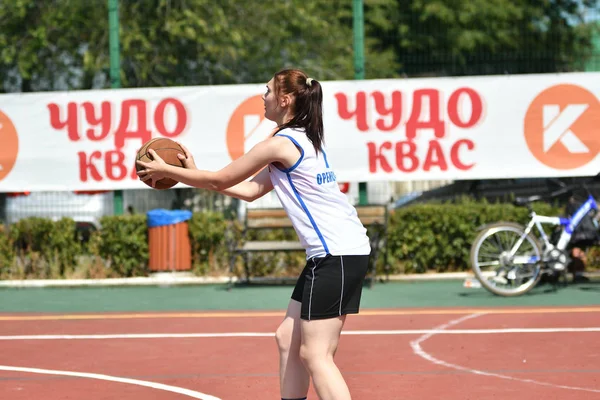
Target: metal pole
pixel 115 74
pixel 358 27
pixel 593 64
pixel 359 39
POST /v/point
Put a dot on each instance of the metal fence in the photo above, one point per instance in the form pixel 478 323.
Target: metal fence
pixel 432 41
pixel 90 207
pixel 545 53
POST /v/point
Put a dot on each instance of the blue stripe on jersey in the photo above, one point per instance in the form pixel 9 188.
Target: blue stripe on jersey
pixel 312 221
pixel 325 158
pixel 293 167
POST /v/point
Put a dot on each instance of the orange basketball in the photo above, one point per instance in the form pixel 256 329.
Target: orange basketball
pixel 166 149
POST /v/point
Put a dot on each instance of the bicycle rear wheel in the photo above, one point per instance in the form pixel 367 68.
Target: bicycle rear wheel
pixel 497 268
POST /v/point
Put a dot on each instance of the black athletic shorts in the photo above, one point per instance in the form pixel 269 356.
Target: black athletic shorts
pixel 331 286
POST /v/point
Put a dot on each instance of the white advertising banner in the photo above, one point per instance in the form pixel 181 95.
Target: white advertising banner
pixel 375 130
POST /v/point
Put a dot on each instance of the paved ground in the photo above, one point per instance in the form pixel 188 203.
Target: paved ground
pixel 275 297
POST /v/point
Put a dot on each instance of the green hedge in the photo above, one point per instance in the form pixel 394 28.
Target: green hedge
pixel 42 248
pixel 123 244
pixel 7 253
pixel 421 238
pixel 208 234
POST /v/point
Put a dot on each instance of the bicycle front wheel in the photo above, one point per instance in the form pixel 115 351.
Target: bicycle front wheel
pixel 505 260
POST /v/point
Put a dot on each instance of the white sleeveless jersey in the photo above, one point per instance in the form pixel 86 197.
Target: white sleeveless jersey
pixel 326 223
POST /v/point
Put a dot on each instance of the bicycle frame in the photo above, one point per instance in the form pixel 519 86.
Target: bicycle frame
pixel 569 224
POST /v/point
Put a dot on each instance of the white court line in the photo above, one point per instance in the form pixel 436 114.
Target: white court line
pixel 418 350
pixel 153 385
pixel 426 332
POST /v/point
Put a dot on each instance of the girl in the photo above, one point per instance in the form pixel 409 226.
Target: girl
pixel 294 163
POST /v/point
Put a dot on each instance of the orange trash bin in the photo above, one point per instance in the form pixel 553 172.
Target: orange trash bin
pixel 168 241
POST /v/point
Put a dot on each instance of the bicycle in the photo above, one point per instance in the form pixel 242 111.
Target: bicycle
pixel 518 258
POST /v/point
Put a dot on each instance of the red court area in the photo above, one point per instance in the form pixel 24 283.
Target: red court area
pixel 450 354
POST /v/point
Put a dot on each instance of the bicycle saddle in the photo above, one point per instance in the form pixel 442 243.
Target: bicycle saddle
pixel 523 201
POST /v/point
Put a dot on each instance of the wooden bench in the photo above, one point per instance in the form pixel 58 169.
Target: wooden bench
pixel 373 217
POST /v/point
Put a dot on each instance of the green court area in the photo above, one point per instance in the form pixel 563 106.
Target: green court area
pixel 435 294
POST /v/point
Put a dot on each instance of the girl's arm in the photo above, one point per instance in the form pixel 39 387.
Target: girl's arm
pixel 251 190
pixel 275 149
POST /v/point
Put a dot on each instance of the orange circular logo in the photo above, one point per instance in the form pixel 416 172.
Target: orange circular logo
pixel 247 126
pixel 562 127
pixel 10 145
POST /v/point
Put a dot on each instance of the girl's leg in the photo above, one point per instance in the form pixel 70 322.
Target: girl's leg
pixel 320 339
pixel 293 376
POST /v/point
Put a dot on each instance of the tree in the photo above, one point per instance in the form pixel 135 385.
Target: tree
pixel 471 37
pixel 42 44
pixel 191 42
pixel 63 44
pixel 196 42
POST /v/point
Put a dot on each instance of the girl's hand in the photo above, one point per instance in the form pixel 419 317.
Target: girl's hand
pixel 154 170
pixel 186 158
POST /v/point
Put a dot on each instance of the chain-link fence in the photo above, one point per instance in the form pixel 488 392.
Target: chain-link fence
pixel 426 41
pixel 432 39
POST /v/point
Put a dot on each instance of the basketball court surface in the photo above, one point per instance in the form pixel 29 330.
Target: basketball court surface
pixel 447 352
